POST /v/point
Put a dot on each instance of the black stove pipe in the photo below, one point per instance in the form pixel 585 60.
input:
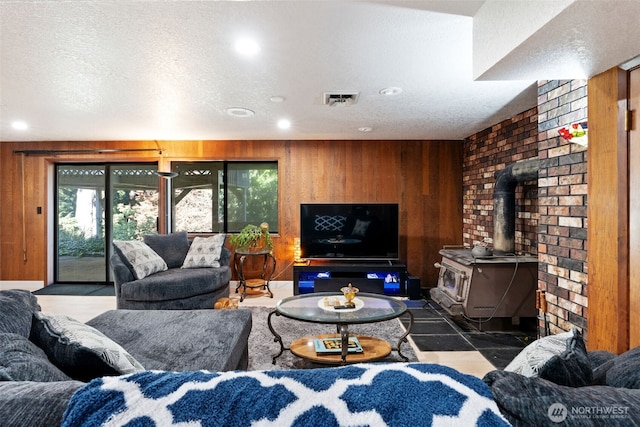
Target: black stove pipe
pixel 504 203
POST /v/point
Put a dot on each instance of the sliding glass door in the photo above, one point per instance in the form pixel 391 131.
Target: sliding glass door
pixel 85 192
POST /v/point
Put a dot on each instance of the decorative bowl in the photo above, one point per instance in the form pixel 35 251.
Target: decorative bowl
pixel 349 293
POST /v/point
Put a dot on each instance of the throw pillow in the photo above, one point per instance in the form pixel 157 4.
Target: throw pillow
pixel 623 371
pixel 171 247
pixel 205 252
pixel 529 361
pixel 571 368
pixel 140 258
pixel 22 360
pixel 16 310
pixel 79 350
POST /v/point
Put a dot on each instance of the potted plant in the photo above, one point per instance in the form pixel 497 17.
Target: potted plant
pixel 252 238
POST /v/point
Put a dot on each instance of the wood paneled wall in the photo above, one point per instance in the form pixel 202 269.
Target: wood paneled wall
pixel 424 177
pixel 608 313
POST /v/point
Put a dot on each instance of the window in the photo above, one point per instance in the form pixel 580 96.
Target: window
pixel 214 197
pixel 96 203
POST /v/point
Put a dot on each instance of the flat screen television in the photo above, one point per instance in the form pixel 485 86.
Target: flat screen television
pixel 349 231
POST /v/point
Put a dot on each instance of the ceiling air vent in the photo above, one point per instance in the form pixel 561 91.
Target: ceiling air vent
pixel 340 98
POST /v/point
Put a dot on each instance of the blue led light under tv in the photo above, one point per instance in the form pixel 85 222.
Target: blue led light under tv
pixel 392 280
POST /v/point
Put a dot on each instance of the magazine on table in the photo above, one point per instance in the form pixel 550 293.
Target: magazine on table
pixel 334 345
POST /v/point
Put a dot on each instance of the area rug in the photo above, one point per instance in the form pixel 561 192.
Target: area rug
pixel 262 346
pixel 77 289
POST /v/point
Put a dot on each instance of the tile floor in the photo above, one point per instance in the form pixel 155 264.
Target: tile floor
pixel 435 331
pixel 435 337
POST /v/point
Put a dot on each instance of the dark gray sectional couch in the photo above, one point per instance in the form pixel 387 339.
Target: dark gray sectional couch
pixel 574 387
pixel 34 391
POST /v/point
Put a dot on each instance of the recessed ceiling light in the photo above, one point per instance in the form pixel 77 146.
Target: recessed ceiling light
pixel 19 125
pixel 387 91
pixel 365 129
pixel 277 99
pixel 247 47
pixel 284 124
pixel 240 112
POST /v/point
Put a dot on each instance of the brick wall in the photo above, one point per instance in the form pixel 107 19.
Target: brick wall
pixel 551 214
pixel 490 151
pixel 562 204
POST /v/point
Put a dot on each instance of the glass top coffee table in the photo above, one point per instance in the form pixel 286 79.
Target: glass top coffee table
pixel 326 308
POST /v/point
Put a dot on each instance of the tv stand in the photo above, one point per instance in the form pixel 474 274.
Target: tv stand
pixel 385 277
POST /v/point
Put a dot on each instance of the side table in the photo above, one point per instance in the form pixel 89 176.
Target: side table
pixel 268 268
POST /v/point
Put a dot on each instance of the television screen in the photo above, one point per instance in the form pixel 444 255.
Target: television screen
pixel 349 231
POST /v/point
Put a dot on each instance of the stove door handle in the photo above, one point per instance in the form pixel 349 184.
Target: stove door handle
pixel 448 267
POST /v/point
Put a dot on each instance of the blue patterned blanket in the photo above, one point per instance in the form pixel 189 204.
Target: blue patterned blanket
pixel 376 394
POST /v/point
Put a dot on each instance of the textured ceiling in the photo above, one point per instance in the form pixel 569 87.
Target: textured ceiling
pixel 130 70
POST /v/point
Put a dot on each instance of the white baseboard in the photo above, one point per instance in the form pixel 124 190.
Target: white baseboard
pixel 27 285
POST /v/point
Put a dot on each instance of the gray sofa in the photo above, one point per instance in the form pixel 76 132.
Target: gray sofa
pixel 35 391
pixel 176 288
pixel 573 387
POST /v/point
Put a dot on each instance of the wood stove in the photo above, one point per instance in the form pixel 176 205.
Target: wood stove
pixel 502 285
pixel 486 287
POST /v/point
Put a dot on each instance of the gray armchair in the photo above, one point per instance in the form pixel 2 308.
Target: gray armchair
pixel 175 288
